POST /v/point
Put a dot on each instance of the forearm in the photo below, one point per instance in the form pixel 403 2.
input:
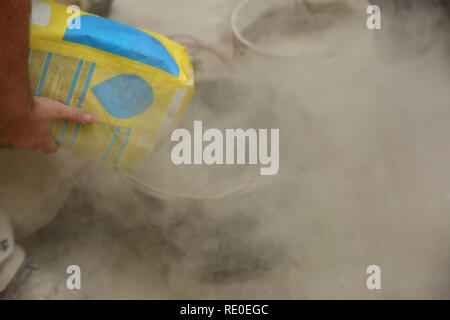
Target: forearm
pixel 15 96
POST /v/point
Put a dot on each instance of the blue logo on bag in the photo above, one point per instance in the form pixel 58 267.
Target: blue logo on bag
pixel 124 96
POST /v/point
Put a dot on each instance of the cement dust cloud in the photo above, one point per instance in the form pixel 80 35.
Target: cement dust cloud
pixel 294 28
pixel 363 178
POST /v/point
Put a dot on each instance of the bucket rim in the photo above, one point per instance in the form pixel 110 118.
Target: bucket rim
pixel 250 45
pixel 162 194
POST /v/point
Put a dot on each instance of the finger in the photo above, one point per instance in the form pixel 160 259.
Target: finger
pixel 63 112
pixel 50 147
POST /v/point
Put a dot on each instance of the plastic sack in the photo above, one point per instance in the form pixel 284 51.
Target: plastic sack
pixel 137 83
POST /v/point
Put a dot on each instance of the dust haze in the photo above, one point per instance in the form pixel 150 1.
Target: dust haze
pixel 364 178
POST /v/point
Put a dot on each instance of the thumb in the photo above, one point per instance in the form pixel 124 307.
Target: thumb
pixel 76 115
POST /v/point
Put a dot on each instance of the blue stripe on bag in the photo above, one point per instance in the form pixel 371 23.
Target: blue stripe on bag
pixel 111 144
pixel 81 101
pixel 123 146
pixel 44 74
pixel 69 98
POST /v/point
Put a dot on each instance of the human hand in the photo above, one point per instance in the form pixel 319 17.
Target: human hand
pixel 33 130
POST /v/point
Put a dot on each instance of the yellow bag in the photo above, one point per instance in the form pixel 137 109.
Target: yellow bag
pixel 137 83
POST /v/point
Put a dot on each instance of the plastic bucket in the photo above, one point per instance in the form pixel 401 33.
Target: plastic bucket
pixel 312 34
pixel 204 225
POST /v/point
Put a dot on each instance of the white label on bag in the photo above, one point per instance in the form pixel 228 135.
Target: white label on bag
pixel 40 14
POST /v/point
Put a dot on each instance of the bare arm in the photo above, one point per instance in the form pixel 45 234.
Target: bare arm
pixel 16 99
pixel 25 121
